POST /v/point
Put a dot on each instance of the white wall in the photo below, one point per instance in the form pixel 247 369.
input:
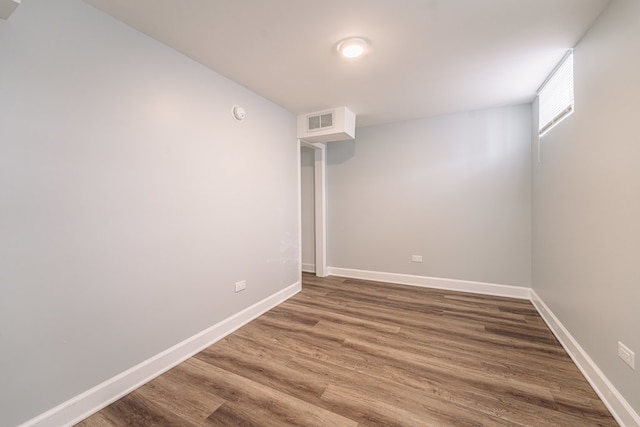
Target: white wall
pixel 455 189
pixel 308 208
pixel 586 220
pixel 130 201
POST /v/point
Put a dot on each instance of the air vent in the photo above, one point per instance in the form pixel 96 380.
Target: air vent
pixel 319 121
pixel 337 124
pixel 7 7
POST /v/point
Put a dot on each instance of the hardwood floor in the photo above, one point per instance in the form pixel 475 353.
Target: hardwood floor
pixel 355 353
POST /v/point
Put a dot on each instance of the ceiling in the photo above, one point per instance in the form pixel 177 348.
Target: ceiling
pixel 428 57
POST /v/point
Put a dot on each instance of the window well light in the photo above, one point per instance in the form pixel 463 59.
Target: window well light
pixel 352 48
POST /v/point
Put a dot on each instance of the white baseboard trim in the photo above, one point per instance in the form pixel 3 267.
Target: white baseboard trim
pixel 91 401
pixel 434 282
pixel 624 414
pixel 615 402
pixel 96 398
pixel 308 268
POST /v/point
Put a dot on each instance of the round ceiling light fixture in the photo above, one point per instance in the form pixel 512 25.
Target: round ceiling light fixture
pixel 352 47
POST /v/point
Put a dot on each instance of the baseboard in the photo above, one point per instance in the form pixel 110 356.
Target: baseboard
pixel 96 398
pixel 308 267
pixel 91 401
pixel 615 402
pixel 434 282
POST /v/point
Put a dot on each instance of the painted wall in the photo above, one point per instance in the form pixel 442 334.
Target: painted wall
pixel 307 206
pixel 586 200
pixel 455 189
pixel 130 201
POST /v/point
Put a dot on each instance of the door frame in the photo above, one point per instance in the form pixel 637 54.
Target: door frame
pixel 320 199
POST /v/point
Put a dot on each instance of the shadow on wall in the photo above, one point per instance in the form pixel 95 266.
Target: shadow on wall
pixel 341 151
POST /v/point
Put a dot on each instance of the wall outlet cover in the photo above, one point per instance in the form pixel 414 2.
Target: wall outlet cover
pixel 628 356
pixel 241 285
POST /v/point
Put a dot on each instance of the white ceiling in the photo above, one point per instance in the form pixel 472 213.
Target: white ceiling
pixel 428 57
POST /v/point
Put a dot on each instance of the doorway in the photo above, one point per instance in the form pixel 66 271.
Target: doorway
pixel 313 207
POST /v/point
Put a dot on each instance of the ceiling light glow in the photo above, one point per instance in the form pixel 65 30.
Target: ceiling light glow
pixel 352 51
pixel 352 48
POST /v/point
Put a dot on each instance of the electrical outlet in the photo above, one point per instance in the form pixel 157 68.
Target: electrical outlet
pixel 627 355
pixel 241 285
pixel 416 258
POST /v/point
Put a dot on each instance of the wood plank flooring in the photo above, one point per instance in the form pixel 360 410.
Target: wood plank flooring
pixel 348 352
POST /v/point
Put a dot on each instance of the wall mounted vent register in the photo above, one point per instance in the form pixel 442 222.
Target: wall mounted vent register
pixel 338 124
pixel 319 121
pixel 7 7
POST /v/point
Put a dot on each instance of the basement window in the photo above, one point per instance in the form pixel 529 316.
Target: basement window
pixel 555 97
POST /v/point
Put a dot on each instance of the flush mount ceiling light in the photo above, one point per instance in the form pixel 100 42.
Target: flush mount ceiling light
pixel 352 47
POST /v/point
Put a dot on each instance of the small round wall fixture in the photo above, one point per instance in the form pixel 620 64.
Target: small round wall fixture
pixel 353 47
pixel 238 113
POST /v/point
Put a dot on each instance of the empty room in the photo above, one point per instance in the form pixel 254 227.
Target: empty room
pixel 319 213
